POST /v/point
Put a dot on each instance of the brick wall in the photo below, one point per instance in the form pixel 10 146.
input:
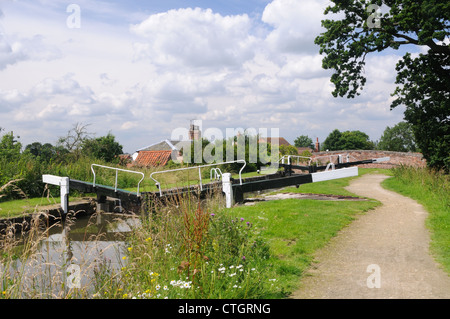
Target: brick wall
pixel 396 158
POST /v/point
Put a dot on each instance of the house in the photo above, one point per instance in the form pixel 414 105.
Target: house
pixel 159 154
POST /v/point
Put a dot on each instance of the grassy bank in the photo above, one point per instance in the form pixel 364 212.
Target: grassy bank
pixel 19 207
pixel 432 190
pixel 296 228
pixel 258 251
pixel 184 250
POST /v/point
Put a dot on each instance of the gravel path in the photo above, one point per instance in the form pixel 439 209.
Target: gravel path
pixel 382 254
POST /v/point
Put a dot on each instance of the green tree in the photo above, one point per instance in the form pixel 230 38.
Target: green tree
pixel 105 148
pixel 288 150
pixel 423 81
pixel 10 148
pixel 399 138
pixel 46 152
pixel 304 141
pixel 332 142
pixel 348 140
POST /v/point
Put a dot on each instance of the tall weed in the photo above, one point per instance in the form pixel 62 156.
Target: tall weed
pixel 185 250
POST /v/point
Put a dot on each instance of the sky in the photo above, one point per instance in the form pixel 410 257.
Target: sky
pixel 143 69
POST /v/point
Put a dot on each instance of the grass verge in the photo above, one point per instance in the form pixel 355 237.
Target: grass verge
pixel 296 228
pixel 15 208
pixel 432 190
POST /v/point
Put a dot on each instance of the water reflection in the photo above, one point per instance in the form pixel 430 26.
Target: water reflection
pixel 88 242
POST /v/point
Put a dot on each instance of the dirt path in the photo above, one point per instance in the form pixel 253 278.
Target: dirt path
pixel 385 248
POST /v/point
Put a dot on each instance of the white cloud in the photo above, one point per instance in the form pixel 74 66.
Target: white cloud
pixel 195 38
pixel 142 81
pixel 16 49
pixel 295 24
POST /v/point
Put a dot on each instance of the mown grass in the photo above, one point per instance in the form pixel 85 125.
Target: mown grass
pixel 16 208
pixel 19 207
pixel 296 228
pixel 432 190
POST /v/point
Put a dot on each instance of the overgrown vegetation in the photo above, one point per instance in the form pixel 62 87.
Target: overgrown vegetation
pixel 72 156
pixel 189 249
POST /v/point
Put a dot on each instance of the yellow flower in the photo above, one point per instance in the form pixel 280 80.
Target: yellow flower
pixel 124 257
pixel 4 292
pixel 130 248
pixel 148 239
pixel 125 296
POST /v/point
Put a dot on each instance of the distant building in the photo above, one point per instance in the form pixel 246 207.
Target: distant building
pixel 194 132
pixel 317 148
pixel 159 154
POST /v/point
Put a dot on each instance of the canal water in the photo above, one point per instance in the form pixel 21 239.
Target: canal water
pixel 68 254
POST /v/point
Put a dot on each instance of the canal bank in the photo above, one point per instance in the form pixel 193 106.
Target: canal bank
pixel 51 214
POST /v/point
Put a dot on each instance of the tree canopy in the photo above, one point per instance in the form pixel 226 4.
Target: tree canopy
pixel 105 148
pixel 399 138
pixel 304 141
pixel 423 79
pixel 9 147
pixel 348 140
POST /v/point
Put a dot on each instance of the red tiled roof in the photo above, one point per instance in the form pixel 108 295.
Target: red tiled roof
pixel 152 158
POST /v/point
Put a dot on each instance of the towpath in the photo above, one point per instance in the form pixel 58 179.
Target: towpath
pixel 382 254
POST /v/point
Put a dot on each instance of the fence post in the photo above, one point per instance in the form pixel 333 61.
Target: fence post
pixel 227 189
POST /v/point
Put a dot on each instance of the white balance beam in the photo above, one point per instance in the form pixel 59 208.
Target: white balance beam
pixel 63 183
pixel 334 174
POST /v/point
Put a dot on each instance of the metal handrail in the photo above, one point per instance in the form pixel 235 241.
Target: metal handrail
pixel 199 172
pixel 329 156
pixel 289 158
pixel 217 174
pixel 117 171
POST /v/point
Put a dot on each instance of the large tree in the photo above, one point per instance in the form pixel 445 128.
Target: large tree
pixel 399 138
pixel 10 148
pixel 348 140
pixel 304 141
pixel 104 147
pixel 423 79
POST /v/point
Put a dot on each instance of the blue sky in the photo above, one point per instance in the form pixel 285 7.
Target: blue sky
pixel 142 69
